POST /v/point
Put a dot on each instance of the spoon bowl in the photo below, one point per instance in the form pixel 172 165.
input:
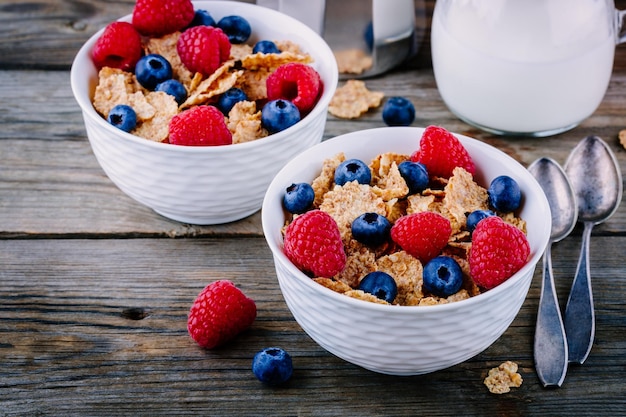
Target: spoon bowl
pixel 550 346
pixel 595 175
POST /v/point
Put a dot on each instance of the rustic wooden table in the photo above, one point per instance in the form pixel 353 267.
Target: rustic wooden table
pixel 95 288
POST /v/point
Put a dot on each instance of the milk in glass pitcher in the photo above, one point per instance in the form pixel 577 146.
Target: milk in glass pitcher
pixel 524 67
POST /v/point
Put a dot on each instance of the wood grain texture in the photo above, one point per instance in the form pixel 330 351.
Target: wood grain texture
pixel 95 288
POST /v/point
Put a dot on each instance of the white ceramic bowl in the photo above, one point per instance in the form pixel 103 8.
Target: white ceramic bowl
pixel 403 340
pixel 213 184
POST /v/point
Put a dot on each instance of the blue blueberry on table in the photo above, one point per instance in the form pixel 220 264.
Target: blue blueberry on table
pixel 476 216
pixel 152 70
pixel 415 175
pixel 371 229
pixel 398 111
pixel 379 284
pixel 504 194
pixel 352 170
pixel 229 98
pixel 266 47
pixel 123 117
pixel 174 88
pixel 298 198
pixel 272 366
pixel 278 115
pixel 202 18
pixel 442 276
pixel 236 28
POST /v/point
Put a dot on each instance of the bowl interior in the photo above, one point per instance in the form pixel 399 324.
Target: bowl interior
pixel 365 145
pixel 266 24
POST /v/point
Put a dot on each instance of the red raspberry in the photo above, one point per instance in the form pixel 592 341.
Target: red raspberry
pixel 203 49
pixel 440 151
pixel 498 251
pixel 200 126
pixel 313 243
pixel 219 313
pixel 160 17
pixel 119 46
pixel 298 83
pixel 422 235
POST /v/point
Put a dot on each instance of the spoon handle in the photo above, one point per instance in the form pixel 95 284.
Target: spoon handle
pixel 579 312
pixel 550 343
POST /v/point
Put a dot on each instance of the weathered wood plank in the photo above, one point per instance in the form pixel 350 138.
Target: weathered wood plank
pixel 67 309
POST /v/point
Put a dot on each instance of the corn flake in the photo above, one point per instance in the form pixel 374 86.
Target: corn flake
pixel 353 99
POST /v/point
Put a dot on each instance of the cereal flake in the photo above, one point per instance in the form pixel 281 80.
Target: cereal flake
pixel 501 379
pixel 353 99
pixel 353 61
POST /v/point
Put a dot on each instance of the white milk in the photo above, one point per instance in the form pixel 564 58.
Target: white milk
pixel 530 66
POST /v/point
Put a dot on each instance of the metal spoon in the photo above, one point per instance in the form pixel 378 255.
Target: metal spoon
pixel 550 342
pixel 595 175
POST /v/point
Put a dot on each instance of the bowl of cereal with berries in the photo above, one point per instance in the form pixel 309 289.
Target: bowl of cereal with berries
pixel 191 108
pixel 405 250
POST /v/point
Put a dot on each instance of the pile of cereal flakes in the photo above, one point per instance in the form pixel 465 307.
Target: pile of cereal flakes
pixel 155 109
pixel 387 195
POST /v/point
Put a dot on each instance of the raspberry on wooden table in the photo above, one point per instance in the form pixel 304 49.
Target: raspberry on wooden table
pixel 313 243
pixel 200 126
pixel 119 46
pixel 156 18
pixel 440 151
pixel 498 251
pixel 219 313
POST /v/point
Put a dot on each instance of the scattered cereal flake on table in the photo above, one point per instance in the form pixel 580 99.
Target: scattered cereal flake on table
pixel 622 137
pixel 501 379
pixel 244 122
pixel 354 99
pixel 353 61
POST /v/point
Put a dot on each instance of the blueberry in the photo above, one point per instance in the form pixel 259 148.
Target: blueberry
pixel 272 366
pixel 152 70
pixel 298 198
pixel 504 194
pixel 278 115
pixel 202 18
pixel 415 175
pixel 442 276
pixel 398 111
pixel 352 170
pixel 371 229
pixel 267 47
pixel 380 284
pixel 368 35
pixel 229 98
pixel 123 117
pixel 236 28
pixel 475 216
pixel 173 88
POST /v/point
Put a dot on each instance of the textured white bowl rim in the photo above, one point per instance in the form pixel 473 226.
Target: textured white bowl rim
pixel 274 239
pixel 84 98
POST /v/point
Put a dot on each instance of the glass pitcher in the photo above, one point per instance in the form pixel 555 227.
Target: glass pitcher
pixel 524 67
